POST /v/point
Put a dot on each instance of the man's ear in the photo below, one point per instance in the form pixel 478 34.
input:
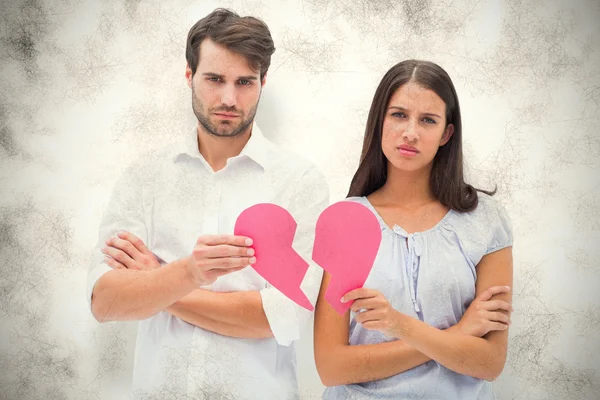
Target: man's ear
pixel 448 132
pixel 188 75
pixel 263 81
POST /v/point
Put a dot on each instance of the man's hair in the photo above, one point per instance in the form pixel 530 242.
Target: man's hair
pixel 248 36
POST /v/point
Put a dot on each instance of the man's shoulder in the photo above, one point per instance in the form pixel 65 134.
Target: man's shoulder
pixel 151 162
pixel 282 158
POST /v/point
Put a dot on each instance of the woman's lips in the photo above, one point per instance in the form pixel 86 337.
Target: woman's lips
pixel 408 151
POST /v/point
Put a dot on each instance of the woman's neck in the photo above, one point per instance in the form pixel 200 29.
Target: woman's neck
pixel 407 189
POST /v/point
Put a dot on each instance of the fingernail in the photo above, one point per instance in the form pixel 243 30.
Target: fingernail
pixel 250 252
pixel 252 260
pixel 248 242
pixel 507 287
pixel 343 300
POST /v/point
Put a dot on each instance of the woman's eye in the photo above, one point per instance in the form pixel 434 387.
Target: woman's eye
pixel 429 120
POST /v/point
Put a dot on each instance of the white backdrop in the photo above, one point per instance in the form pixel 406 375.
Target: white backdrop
pixel 88 85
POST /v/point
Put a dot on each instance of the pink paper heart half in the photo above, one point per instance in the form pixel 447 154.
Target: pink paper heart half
pixel 272 230
pixel 347 239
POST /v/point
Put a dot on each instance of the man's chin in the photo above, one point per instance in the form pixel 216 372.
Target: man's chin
pixel 222 128
pixel 227 132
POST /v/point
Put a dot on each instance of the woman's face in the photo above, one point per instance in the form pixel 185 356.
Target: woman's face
pixel 414 127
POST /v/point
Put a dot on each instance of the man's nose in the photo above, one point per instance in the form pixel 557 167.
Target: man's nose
pixel 229 96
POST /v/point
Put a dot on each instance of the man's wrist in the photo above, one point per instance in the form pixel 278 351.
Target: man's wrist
pixel 184 271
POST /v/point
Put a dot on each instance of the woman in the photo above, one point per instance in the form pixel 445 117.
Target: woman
pixel 431 320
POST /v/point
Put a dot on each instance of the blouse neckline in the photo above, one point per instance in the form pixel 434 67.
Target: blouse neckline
pixel 398 229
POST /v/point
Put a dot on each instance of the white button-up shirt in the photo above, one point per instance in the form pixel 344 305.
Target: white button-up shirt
pixel 169 199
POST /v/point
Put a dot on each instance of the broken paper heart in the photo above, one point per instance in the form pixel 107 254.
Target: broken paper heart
pixel 272 231
pixel 347 238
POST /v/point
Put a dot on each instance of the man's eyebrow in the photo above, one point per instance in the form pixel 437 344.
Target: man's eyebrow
pixel 215 75
pixel 427 113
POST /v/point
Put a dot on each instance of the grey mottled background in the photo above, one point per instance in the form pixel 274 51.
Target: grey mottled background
pixel 87 85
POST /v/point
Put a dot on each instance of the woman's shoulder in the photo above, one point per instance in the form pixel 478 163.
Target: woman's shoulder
pixel 357 199
pixel 487 228
pixel 488 210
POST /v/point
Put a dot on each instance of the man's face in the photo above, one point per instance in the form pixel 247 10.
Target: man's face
pixel 225 90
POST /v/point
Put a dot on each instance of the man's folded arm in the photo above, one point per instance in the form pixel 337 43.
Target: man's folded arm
pixel 122 294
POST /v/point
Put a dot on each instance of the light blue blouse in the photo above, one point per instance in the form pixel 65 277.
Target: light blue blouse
pixel 431 276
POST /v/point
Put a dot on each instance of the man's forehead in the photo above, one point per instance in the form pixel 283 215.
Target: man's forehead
pixel 220 60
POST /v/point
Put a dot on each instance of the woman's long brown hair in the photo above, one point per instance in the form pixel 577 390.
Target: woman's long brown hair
pixel 446 179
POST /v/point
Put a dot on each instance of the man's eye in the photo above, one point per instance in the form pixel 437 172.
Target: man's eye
pixel 245 82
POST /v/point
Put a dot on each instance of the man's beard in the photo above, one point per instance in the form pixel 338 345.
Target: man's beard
pixel 217 130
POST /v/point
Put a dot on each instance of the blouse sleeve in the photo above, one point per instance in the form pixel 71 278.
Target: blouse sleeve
pixel 501 231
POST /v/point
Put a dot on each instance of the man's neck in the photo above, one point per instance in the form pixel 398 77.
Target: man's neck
pixel 217 150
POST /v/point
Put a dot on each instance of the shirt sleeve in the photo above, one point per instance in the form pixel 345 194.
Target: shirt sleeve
pixel 285 317
pixel 125 212
pixel 501 234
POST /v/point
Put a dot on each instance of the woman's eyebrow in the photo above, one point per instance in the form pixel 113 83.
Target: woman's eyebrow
pixel 404 109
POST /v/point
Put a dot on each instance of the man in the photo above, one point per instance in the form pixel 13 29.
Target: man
pixel 210 328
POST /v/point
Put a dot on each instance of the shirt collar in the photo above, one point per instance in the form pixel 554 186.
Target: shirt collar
pixel 255 148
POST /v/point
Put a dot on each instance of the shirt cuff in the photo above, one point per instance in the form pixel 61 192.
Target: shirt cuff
pixel 282 315
pixel 94 274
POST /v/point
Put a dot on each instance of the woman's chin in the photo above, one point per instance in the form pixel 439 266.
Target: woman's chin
pixel 402 165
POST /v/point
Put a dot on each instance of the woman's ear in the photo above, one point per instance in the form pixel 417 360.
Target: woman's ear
pixel 448 132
